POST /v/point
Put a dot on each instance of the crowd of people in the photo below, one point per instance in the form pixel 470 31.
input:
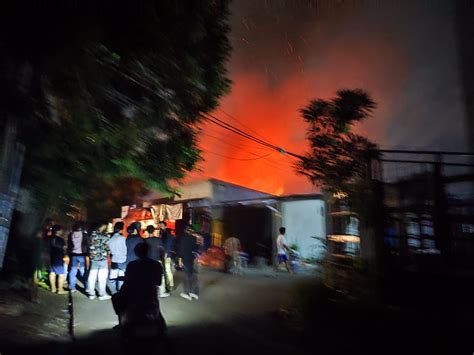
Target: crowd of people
pixel 100 258
pixel 133 266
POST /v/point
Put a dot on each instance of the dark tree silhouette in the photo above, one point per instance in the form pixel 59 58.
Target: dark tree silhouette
pixel 101 92
pixel 95 93
pixel 338 158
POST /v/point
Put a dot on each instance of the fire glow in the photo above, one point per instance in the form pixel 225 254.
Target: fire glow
pixel 278 65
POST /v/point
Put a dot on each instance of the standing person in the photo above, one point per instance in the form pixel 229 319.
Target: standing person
pixel 133 239
pixel 41 257
pixel 99 270
pixel 118 249
pixel 48 228
pixel 232 252
pixel 57 254
pixel 156 252
pixel 282 249
pixel 138 298
pixel 146 232
pixel 77 245
pixel 206 240
pixel 168 243
pixel 38 249
pixel 188 248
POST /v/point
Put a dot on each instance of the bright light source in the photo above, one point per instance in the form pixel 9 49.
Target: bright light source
pixel 342 238
pixel 339 195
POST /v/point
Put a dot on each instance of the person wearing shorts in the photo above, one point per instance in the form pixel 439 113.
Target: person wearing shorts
pixel 282 249
pixel 57 253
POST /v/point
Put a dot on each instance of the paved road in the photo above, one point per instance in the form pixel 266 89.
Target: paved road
pixel 233 313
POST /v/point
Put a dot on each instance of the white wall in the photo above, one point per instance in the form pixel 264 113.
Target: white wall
pixel 304 219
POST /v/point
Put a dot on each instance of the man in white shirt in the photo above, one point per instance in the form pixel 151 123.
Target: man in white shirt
pixel 118 249
pixel 282 248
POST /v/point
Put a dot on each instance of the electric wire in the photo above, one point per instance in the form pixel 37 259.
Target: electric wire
pixel 263 160
pixel 211 118
pixel 225 125
pixel 227 157
pixel 218 137
pixel 228 138
pixel 240 122
pixel 267 160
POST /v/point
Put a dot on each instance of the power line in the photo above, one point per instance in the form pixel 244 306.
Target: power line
pixel 243 159
pixel 225 137
pixel 229 127
pixel 253 145
pixel 239 146
pixel 276 164
pixel 212 118
pixel 238 121
pixel 283 167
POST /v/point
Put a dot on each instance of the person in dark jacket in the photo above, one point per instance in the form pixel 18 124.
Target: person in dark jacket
pixel 168 243
pixel 137 300
pixel 57 254
pixel 188 248
pixel 155 243
pixel 133 239
pixel 77 245
pixel 156 252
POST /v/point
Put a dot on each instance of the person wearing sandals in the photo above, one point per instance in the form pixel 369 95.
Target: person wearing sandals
pixel 57 254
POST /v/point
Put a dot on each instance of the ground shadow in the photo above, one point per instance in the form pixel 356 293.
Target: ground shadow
pixel 423 314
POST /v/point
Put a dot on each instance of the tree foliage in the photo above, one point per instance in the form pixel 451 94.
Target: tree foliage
pixel 100 93
pixel 338 157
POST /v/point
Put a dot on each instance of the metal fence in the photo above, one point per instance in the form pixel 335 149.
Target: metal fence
pixel 428 200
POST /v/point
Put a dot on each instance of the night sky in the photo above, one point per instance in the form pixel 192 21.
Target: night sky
pixel 288 52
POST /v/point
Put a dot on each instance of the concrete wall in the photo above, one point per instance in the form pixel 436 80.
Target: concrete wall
pixel 303 220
